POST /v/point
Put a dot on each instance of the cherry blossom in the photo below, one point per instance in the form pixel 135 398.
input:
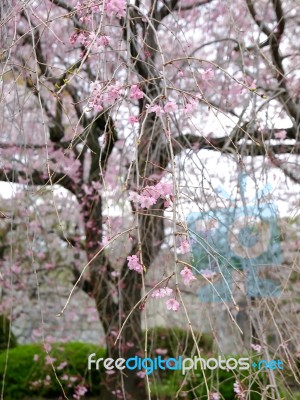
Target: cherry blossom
pixel 47 347
pixel 112 93
pixel 132 119
pixel 214 396
pixel 170 106
pixel 62 365
pixel 141 374
pixel 16 269
pixel 135 92
pixel 164 189
pixel 172 305
pixel 150 194
pixel 238 390
pixel 185 246
pixel 103 40
pixel 281 134
pixel 187 276
pixel 190 107
pixel 115 8
pixel 134 264
pixel 208 274
pixel 251 84
pixel 256 347
pixel 162 292
pixel 101 96
pixel 49 360
pixel 134 196
pixel 208 74
pixel 79 392
pixel 155 108
pixel 110 372
pixel 147 201
pixel 161 352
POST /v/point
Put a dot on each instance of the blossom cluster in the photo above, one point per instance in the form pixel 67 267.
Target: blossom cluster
pixel 172 304
pixel 80 391
pixel 207 273
pixel 187 276
pixel 104 95
pixel 112 8
pixel 170 106
pixel 87 38
pixel 214 396
pixel 238 390
pixel 134 263
pixel 150 194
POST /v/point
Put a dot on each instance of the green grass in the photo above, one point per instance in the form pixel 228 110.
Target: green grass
pixel 26 377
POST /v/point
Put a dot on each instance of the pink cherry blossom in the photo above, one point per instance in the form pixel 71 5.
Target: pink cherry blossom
pixel 150 194
pixel 256 347
pixel 134 196
pixel 151 191
pixel 280 134
pixel 115 8
pixel 214 396
pixel 112 93
pixel 147 201
pixel 238 390
pixel 79 392
pixel 172 304
pixel 49 360
pixel 185 246
pixel 190 107
pixel 251 84
pixel 135 92
pixel 110 372
pixel 208 274
pixel 187 276
pixel 141 374
pixel 170 106
pixel 73 38
pixel 16 269
pixel 62 365
pixel 104 40
pixel 164 189
pixel 208 74
pixel 161 352
pixel 132 119
pixel 134 264
pixel 156 108
pixel 47 347
pixel 49 266
pixel 162 292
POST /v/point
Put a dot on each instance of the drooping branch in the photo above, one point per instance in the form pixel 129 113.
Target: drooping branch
pixel 228 145
pixel 38 178
pixel 274 38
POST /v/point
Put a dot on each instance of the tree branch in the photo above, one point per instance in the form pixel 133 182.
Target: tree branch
pixel 37 178
pixel 228 145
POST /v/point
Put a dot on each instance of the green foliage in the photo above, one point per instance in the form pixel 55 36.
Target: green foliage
pixel 177 341
pixel 26 377
pixel 192 386
pixel 7 338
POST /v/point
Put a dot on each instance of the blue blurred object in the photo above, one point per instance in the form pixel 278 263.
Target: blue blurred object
pixel 244 238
